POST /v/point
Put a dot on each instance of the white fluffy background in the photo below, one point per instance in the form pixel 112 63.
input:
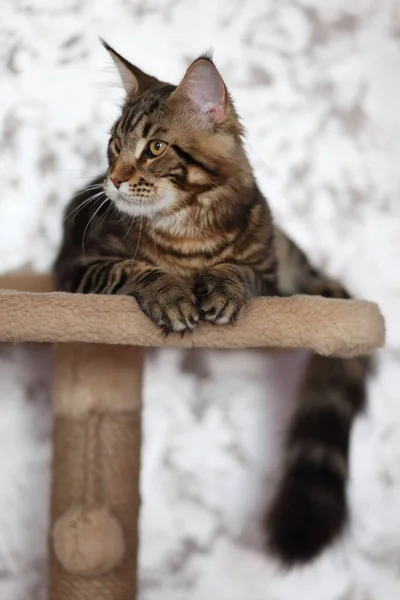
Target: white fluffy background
pixel 317 84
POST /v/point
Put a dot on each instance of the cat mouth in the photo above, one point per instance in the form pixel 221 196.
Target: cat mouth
pixel 137 200
pixel 142 206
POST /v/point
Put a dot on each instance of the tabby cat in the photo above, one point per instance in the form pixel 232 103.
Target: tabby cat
pixel 179 223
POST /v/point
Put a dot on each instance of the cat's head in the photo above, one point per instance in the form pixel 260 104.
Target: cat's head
pixel 173 145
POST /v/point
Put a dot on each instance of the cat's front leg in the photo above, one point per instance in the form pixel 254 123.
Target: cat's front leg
pixel 167 300
pixel 223 290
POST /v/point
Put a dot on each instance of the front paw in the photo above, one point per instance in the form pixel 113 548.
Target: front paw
pixel 170 304
pixel 220 297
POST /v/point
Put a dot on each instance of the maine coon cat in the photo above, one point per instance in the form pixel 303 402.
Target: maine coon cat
pixel 199 242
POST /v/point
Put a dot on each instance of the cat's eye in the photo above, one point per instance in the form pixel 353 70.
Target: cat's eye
pixel 117 146
pixel 157 147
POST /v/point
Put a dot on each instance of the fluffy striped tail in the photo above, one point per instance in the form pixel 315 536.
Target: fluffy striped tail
pixel 309 509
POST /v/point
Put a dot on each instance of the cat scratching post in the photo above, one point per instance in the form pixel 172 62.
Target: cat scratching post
pixel 96 460
pixel 97 405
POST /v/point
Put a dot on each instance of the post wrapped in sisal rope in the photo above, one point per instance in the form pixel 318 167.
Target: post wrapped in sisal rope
pixel 95 474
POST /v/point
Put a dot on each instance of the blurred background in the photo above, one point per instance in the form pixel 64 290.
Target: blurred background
pixel 317 85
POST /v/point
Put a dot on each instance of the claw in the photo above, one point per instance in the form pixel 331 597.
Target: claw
pixel 165 331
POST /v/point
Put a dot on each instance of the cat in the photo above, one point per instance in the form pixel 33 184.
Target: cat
pixel 179 223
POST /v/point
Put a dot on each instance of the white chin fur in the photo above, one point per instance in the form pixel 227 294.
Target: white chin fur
pixel 133 206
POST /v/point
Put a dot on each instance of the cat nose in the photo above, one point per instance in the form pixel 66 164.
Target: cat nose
pixel 117 182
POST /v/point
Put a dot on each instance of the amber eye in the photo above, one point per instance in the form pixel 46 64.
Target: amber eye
pixel 157 147
pixel 117 146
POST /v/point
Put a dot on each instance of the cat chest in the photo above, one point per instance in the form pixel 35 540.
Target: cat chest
pixel 186 257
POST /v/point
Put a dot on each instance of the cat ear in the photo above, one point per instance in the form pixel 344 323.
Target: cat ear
pixel 135 81
pixel 204 88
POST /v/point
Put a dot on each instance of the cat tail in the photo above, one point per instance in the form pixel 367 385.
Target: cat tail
pixel 309 509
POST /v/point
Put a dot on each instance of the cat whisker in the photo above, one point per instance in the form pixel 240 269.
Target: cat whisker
pixel 117 213
pixel 154 241
pixel 191 222
pixel 94 186
pixel 194 225
pixel 130 226
pixel 107 211
pixel 140 233
pixel 199 229
pixel 88 190
pixel 90 220
pixel 77 209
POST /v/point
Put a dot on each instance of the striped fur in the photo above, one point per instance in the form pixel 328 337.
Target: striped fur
pixel 309 509
pixel 189 235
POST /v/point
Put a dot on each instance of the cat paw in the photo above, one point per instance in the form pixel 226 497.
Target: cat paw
pixel 328 289
pixel 220 298
pixel 172 306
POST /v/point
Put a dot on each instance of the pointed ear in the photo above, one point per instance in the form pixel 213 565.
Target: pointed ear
pixel 135 81
pixel 204 88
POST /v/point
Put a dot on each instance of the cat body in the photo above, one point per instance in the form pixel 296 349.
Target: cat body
pixel 179 223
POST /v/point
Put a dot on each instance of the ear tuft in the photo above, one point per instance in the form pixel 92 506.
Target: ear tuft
pixel 207 55
pixel 135 81
pixel 128 78
pixel 204 88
